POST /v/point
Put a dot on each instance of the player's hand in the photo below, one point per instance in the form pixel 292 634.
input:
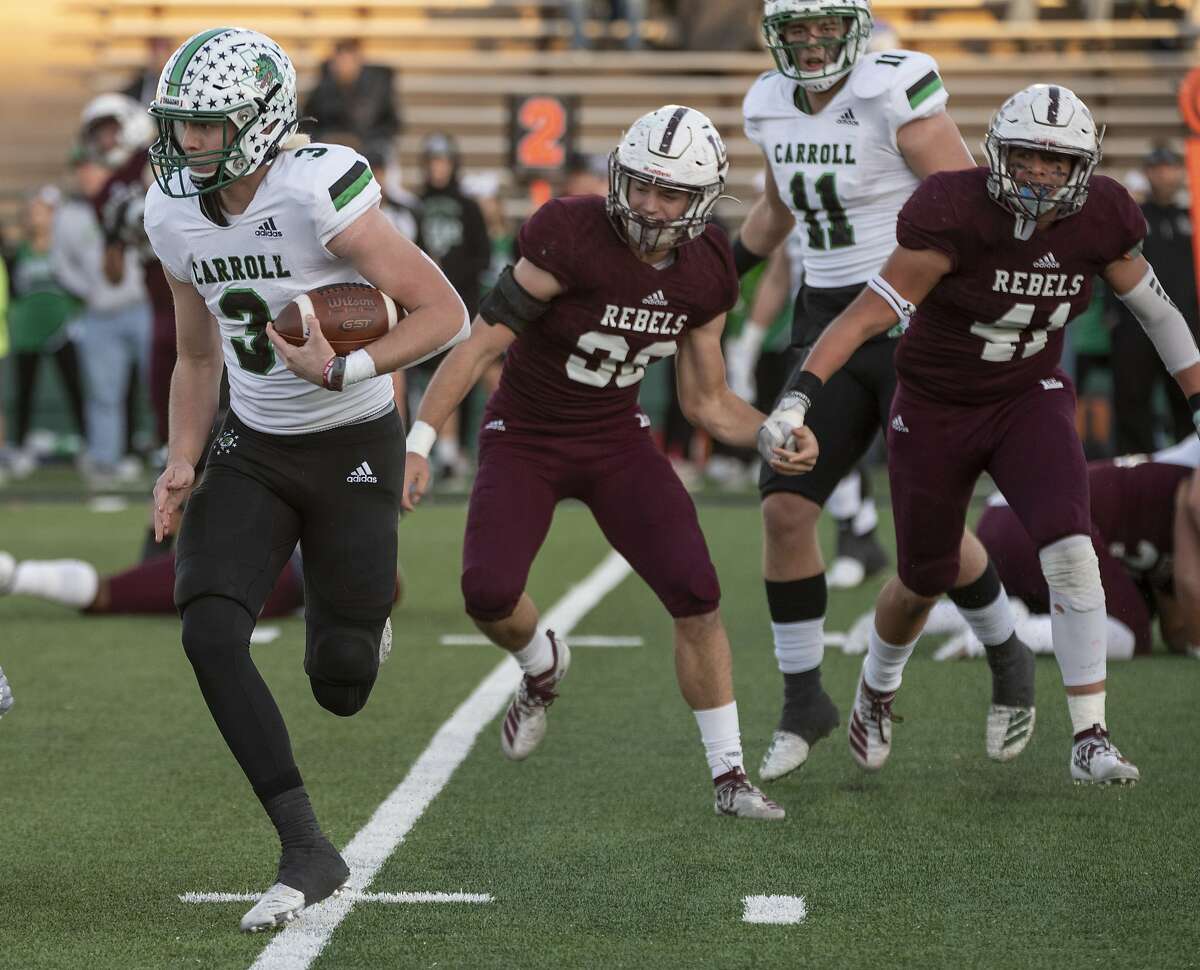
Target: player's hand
pixel 309 359
pixel 799 454
pixel 171 490
pixel 782 424
pixel 417 477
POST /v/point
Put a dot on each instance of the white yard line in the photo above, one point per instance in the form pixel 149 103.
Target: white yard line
pixel 479 640
pixel 774 909
pixel 358 897
pixel 298 945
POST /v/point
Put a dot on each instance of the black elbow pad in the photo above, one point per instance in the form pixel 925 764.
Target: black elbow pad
pixel 509 303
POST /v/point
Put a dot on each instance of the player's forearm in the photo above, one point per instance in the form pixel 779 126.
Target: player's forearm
pixel 867 317
pixel 195 386
pixel 726 417
pixel 452 382
pixel 765 228
pixel 422 334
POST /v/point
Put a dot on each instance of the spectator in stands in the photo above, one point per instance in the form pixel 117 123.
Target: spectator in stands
pixel 39 318
pixel 115 325
pixel 143 87
pixel 1137 371
pixel 585 175
pixel 707 26
pixel 355 98
pixel 632 12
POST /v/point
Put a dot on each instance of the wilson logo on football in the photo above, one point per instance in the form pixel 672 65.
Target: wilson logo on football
pixel 361 474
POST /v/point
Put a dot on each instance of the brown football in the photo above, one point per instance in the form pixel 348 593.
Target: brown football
pixel 352 315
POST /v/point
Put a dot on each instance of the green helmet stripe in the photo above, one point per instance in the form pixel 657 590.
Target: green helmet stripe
pixel 175 82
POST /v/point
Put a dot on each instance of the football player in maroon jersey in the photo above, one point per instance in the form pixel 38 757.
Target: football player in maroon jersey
pixel 605 287
pixel 991 264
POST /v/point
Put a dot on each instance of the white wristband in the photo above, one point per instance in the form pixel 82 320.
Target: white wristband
pixel 360 366
pixel 420 439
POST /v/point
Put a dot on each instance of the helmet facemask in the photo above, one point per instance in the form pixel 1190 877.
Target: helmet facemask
pixel 651 235
pixel 238 79
pixel 846 49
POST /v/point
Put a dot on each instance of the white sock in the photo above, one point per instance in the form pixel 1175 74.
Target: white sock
pixel 866 518
pixel 537 656
pixel 1086 710
pixel 799 646
pixel 846 498
pixel 885 662
pixel 70 582
pixel 992 624
pixel 721 737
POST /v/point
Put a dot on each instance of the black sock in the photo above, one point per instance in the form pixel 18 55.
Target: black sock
pixel 292 815
pixel 982 592
pixel 797 600
pixel 807 710
pixel 1012 666
pixel 152 548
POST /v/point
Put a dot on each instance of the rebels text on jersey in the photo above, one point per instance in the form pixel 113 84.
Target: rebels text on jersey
pixel 251 267
pixel 840 171
pixel 994 324
pixel 578 367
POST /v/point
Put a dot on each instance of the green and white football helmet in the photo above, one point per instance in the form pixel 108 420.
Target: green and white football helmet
pixel 224 74
pixel 847 49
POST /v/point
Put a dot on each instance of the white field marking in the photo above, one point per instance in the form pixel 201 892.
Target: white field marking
pixel 358 897
pixel 265 634
pixel 301 942
pixel 107 503
pixel 834 639
pixel 774 909
pixel 479 640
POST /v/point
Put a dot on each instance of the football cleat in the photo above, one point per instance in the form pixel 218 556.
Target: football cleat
pixel 524 724
pixel 306 876
pixel 1008 730
pixel 789 749
pixel 8 569
pixel 1095 760
pixel 858 559
pixel 871 725
pixel 385 642
pixel 6 695
pixel 737 797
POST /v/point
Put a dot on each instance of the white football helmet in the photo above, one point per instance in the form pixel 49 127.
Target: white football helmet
pixel 847 50
pixel 1049 118
pixel 134 129
pixel 675 147
pixel 225 74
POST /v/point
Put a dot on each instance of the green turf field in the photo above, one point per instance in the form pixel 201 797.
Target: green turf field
pixel 117 796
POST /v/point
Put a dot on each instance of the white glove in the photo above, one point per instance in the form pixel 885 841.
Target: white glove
pixel 741 357
pixel 777 430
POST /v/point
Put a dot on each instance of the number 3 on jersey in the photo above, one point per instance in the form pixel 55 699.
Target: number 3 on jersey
pixel 254 350
pixel 1002 337
pixel 603 357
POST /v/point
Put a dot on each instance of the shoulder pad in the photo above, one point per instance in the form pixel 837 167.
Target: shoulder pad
pixel 887 70
pixel 769 89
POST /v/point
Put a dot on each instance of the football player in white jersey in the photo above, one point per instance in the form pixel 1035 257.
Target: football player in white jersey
pixel 247 216
pixel 847 135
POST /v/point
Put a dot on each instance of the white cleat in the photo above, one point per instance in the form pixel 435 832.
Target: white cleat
pixel 8 569
pixel 524 723
pixel 786 753
pixel 278 906
pixel 1095 760
pixel 385 642
pixel 735 796
pixel 1008 730
pixel 870 730
pixel 6 694
pixel 845 573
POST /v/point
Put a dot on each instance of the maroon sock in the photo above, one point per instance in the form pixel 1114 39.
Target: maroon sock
pixel 288 594
pixel 148 587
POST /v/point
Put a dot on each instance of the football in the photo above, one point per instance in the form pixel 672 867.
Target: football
pixel 352 315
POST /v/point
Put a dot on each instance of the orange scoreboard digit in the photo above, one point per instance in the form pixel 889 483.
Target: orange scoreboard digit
pixel 1189 107
pixel 541 138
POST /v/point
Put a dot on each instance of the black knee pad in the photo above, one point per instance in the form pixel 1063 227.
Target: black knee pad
pixel 215 630
pixel 342 664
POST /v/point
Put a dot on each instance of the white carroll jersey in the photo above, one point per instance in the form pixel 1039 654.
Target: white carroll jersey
pixel 840 170
pixel 251 268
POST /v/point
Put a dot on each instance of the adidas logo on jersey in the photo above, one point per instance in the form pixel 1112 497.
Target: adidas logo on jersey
pixel 1051 383
pixel 362 473
pixel 655 299
pixel 899 425
pixel 1046 262
pixel 847 118
pixel 269 228
pixel 497 425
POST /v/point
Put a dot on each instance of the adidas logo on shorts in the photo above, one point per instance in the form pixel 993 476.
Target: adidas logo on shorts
pixel 1046 262
pixel 362 473
pixel 655 299
pixel 269 228
pixel 899 425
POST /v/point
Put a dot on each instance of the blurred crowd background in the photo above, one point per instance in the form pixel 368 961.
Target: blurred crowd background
pixel 473 112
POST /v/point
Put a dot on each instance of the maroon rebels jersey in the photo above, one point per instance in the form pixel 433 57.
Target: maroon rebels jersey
pixel 1133 507
pixel 578 367
pixel 994 324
